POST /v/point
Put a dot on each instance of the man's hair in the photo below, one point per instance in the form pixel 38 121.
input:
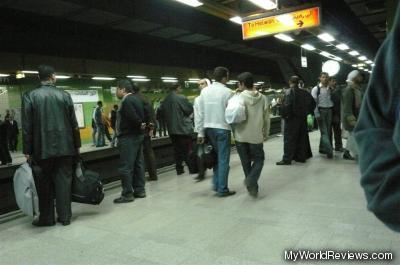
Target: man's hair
pixel 220 72
pixel 247 79
pixel 129 86
pixel 100 103
pixel 174 87
pixel 45 72
pixel 115 106
pixel 295 80
pixel 324 73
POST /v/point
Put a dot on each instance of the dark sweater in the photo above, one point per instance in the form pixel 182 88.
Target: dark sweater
pixel 131 116
pixel 378 133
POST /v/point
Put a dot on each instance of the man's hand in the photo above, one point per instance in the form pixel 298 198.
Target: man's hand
pixel 200 140
pixel 143 126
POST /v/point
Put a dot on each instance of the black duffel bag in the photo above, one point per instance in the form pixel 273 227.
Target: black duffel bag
pixel 86 185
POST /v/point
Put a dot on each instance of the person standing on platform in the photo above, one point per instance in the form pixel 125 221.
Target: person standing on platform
pixel 130 125
pixel 94 128
pixel 149 157
pixel 297 104
pixel 377 132
pixel 13 133
pixel 5 155
pixel 51 139
pixel 351 105
pixel 162 126
pixel 113 119
pixel 323 112
pixel 176 109
pixel 100 127
pixel 213 102
pixel 336 95
pixel 251 133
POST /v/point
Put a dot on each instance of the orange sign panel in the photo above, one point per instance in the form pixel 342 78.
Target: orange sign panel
pixel 305 18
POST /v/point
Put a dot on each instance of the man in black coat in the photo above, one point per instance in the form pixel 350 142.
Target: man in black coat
pixel 51 139
pixel 5 156
pixel 13 132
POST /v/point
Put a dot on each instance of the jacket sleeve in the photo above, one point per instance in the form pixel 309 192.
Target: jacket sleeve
pixel 267 120
pixel 348 99
pixel 27 124
pixel 74 123
pixel 378 133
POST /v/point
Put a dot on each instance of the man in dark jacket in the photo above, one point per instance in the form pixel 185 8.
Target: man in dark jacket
pixel 13 132
pixel 100 127
pixel 378 133
pixel 5 155
pixel 130 125
pixel 176 110
pixel 113 119
pixel 51 139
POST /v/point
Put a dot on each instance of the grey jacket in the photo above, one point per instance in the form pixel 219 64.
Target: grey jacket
pixel 176 110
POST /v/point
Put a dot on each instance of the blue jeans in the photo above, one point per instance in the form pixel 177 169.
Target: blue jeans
pixel 131 164
pixel 252 157
pixel 325 127
pixel 221 141
pixel 101 131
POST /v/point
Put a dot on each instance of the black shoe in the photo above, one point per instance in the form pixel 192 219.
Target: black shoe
pixel 339 149
pixel 253 193
pixel 40 223
pixel 65 222
pixel 199 178
pixel 283 163
pixel 226 194
pixel 139 195
pixel 124 199
pixel 180 172
pixel 330 155
pixel 322 152
pixel 347 156
pixel 300 160
pixel 152 179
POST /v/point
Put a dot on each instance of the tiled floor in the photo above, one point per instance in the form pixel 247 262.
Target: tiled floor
pixel 314 206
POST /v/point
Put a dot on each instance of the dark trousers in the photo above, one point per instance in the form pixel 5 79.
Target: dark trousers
pixel 162 127
pixel 325 128
pixel 5 155
pixel 13 143
pixel 337 132
pixel 252 158
pixel 131 165
pixel 182 146
pixel 53 176
pixel 107 133
pixel 296 145
pixel 149 158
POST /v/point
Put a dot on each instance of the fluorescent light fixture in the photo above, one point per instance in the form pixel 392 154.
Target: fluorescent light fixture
pixel 30 72
pixel 326 54
pixel 342 47
pixel 4 75
pixel 361 64
pixel 96 87
pixel 140 79
pixel 354 53
pixel 265 4
pixel 369 62
pixel 193 3
pixel 284 37
pixel 308 47
pixel 373 65
pixel 260 82
pixel 194 79
pixel 354 65
pixel 237 20
pixel 136 76
pixel 362 58
pixel 326 37
pixel 103 78
pixel 63 76
pixel 168 78
pixel 337 58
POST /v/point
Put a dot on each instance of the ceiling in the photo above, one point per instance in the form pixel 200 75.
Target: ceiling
pixel 208 26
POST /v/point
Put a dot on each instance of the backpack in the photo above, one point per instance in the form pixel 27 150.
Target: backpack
pixel 86 185
pixel 235 112
pixel 25 190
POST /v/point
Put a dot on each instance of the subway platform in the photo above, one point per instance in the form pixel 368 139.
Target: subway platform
pixel 314 206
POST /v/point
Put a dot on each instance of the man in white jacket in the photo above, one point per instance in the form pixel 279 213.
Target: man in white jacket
pixel 251 133
pixel 212 104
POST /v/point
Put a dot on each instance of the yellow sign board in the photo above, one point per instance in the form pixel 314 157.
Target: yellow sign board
pixel 300 19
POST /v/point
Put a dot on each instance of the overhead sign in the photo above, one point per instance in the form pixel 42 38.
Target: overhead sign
pixel 295 20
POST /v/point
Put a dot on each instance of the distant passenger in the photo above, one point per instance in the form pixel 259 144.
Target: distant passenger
pixel 94 128
pixel 130 125
pixel 351 104
pixel 297 104
pixel 162 124
pixel 5 155
pixel 336 95
pixel 378 133
pixel 176 110
pixel 51 139
pixel 251 133
pixel 113 119
pixel 323 112
pixel 100 127
pixel 13 132
pixel 213 102
pixel 203 83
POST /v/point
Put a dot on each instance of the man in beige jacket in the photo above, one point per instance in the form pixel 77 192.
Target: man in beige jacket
pixel 251 133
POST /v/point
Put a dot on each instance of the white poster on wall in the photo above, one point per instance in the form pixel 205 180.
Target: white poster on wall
pixel 80 117
pixel 84 95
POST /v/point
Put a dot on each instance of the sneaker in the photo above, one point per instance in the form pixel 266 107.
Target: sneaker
pixel 139 194
pixel 283 163
pixel 40 223
pixel 65 222
pixel 347 156
pixel 226 194
pixel 253 193
pixel 124 199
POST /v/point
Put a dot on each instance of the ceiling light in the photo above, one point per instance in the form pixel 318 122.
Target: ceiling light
pixel 194 79
pixel 140 79
pixel 362 58
pixel 96 87
pixel 354 65
pixel 342 47
pixel 326 37
pixel 265 4
pixel 354 53
pixel 337 58
pixel 30 72
pixel 193 3
pixel 361 64
pixel 168 78
pixel 62 76
pixel 4 75
pixel 284 37
pixel 331 67
pixel 237 20
pixel 369 62
pixel 373 65
pixel 326 54
pixel 136 76
pixel 103 78
pixel 308 47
